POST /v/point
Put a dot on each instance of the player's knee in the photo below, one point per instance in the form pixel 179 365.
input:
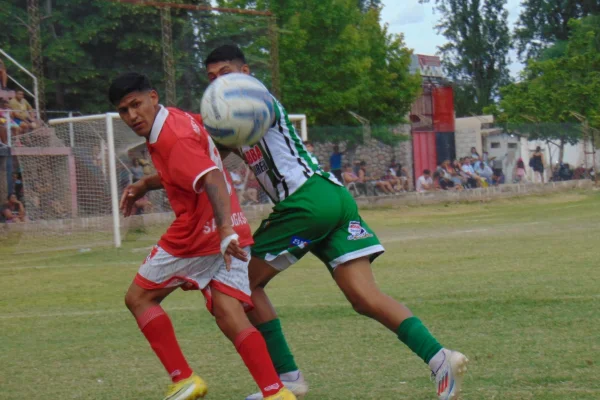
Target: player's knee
pixel 363 304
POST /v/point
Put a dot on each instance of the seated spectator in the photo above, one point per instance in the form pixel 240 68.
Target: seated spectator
pixel 473 180
pixel 350 180
pixel 439 183
pixel 565 173
pixel 13 210
pixel 3 76
pixel 580 173
pixel 372 183
pixel 520 173
pixel 474 154
pixel 238 183
pixel 393 180
pixel 484 171
pixel 498 177
pixel 22 111
pixel 401 174
pixel 137 171
pixel 6 119
pixel 18 185
pixel 425 183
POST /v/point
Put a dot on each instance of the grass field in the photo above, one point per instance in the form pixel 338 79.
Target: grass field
pixel 513 284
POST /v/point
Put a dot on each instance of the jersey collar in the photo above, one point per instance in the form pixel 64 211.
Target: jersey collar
pixel 157 126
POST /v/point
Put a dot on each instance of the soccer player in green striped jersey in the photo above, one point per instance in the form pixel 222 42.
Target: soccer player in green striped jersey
pixel 315 213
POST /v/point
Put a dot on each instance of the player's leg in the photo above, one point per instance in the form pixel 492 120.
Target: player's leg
pixel 355 279
pixel 228 298
pixel 151 285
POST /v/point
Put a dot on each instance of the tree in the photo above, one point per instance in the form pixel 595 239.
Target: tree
pixel 476 55
pixel 366 5
pixel 336 57
pixel 544 103
pixel 543 23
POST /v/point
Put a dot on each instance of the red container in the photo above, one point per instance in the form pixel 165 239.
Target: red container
pixel 424 152
pixel 443 109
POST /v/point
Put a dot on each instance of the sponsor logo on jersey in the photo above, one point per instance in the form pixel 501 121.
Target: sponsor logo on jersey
pixel 357 231
pixel 195 126
pixel 299 242
pixel 254 158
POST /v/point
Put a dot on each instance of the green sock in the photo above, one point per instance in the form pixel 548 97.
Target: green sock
pixel 282 357
pixel 417 337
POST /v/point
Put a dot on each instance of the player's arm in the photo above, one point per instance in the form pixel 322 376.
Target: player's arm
pixel 137 190
pixel 213 183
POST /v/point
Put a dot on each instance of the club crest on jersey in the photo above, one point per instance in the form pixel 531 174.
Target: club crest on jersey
pixel 357 231
pixel 254 157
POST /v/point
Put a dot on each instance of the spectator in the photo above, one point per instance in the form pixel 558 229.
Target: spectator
pixel 454 172
pixel 393 180
pixel 520 173
pixel 498 177
pixel 252 186
pixel 18 185
pixel 311 150
pixel 5 120
pixel 13 210
pixel 350 180
pixel 474 154
pixel 335 162
pixel 473 180
pixel 22 111
pixel 372 183
pixel 145 163
pixel 440 182
pixel 136 170
pixel 484 171
pixel 536 162
pixel 3 76
pixel 425 183
pixel 565 173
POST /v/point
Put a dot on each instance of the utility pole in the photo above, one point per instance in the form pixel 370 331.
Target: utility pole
pixel 35 48
pixel 168 60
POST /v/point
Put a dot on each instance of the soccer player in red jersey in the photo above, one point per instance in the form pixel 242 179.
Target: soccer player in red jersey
pixel 205 248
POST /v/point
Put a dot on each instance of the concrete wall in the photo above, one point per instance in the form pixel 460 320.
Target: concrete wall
pixel 468 134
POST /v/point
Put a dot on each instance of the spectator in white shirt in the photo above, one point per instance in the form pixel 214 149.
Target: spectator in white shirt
pixel 484 171
pixel 425 183
pixel 473 179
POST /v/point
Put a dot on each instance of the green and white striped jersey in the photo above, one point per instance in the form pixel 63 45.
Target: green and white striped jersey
pixel 280 160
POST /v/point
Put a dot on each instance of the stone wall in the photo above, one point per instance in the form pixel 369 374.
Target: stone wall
pixel 377 155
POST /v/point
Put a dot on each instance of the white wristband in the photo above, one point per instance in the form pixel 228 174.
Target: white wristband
pixel 225 242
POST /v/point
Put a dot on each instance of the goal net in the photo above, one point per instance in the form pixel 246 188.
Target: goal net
pixel 74 173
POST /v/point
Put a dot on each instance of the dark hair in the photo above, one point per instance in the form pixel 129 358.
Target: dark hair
pixel 538 149
pixel 227 52
pixel 9 196
pixel 426 172
pixel 347 165
pixel 126 83
pixel 363 163
pixel 307 143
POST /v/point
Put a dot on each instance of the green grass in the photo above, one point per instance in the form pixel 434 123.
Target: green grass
pixel 512 283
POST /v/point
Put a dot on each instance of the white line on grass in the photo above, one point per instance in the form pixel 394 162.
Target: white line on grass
pixel 75 314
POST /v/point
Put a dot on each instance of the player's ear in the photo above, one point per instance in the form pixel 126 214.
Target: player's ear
pixel 245 69
pixel 154 97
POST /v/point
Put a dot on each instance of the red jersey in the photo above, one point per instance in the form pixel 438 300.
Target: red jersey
pixel 182 153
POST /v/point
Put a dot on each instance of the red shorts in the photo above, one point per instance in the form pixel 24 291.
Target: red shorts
pixel 205 273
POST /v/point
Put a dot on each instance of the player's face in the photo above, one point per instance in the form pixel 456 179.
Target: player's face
pixel 138 110
pixel 221 68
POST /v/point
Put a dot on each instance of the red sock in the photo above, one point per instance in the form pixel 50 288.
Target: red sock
pixel 253 349
pixel 156 326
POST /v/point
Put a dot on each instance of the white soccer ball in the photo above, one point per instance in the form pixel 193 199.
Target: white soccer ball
pixel 237 110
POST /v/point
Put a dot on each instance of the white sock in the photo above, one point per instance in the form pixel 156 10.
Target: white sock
pixel 436 362
pixel 290 376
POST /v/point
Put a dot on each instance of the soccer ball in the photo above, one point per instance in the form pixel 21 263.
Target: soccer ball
pixel 237 110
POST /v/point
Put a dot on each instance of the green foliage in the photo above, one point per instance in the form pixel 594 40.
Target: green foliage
pixel 476 55
pixel 553 89
pixel 545 22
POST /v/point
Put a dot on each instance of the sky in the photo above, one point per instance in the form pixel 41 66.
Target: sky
pixel 417 23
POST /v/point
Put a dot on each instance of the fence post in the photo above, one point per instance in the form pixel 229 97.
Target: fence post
pixel 71 131
pixel 114 193
pixel 8 129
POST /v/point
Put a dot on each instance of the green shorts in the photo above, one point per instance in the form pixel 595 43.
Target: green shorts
pixel 320 217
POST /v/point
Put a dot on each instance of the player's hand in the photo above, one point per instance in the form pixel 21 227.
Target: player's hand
pixel 233 247
pixel 132 193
